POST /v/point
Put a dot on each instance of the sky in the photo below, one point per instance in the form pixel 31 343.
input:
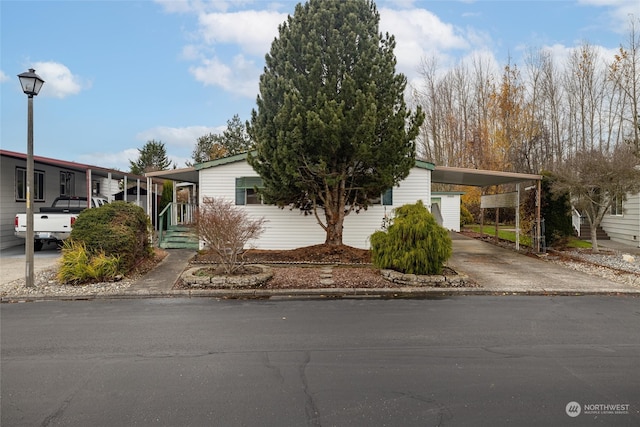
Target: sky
pixel 119 73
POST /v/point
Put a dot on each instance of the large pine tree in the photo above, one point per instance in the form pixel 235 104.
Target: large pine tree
pixel 332 129
pixel 152 157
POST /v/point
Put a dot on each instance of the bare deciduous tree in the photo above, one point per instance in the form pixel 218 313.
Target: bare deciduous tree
pixel 624 71
pixel 595 180
pixel 226 230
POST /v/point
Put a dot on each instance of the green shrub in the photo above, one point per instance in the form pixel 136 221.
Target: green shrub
pixel 413 244
pixel 77 265
pixel 116 229
pixel 465 216
pixel 555 209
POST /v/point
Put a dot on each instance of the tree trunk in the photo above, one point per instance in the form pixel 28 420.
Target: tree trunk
pixel 335 223
pixel 594 237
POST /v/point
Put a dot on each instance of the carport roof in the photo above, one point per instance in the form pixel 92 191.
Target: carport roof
pixel 478 177
pixel 439 174
pixel 184 174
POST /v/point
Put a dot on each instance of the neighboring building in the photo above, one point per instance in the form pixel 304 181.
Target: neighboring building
pixel 234 179
pixel 53 178
pixel 622 222
pixel 448 204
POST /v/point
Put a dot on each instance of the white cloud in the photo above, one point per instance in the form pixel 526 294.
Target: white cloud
pixel 619 12
pixel 240 76
pixel 252 30
pixel 3 77
pixel 421 34
pixel 119 160
pixel 59 81
pixel 185 137
pixel 229 48
pixel 187 6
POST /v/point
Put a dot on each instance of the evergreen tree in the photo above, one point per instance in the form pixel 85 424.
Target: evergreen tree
pixel 235 138
pixel 166 198
pixel 151 157
pixel 332 129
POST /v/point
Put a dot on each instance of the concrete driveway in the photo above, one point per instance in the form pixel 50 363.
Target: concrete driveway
pixel 13 261
pixel 503 270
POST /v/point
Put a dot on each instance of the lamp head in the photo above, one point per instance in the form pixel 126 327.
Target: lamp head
pixel 31 82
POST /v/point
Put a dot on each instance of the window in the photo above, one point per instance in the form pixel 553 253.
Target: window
pixel 616 207
pixel 246 193
pixel 67 184
pixel 386 198
pixel 21 185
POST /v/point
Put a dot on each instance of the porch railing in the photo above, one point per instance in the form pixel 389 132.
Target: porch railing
pixel 175 214
pixel 576 220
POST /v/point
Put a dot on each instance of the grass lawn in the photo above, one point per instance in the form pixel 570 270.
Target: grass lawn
pixel 507 232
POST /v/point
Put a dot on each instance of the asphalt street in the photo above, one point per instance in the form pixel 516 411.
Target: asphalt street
pixel 519 361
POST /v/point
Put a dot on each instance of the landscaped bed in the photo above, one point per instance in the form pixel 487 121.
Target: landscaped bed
pixel 315 267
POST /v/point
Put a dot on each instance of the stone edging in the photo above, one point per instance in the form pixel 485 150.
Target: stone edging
pixel 437 281
pixel 190 278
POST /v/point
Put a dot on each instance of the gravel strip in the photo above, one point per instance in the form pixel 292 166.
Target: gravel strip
pixel 46 285
pixel 616 266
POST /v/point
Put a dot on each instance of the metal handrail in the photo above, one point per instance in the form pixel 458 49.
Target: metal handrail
pixel 181 214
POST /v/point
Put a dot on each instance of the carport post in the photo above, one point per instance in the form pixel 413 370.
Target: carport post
pixel 538 224
pixel 518 217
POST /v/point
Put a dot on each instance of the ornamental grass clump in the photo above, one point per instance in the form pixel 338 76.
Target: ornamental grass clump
pixel 78 265
pixel 413 244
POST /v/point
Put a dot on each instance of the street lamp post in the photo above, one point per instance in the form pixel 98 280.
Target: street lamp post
pixel 31 85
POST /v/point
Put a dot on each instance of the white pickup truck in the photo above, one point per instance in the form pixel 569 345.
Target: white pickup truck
pixel 53 224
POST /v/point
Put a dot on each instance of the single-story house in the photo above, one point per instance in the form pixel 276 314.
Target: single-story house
pixel 622 222
pixel 234 179
pixel 53 178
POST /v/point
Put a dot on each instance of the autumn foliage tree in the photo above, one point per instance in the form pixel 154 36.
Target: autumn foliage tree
pixel 233 140
pixel 226 230
pixel 332 129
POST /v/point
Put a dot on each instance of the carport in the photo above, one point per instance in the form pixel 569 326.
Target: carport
pixel 487 178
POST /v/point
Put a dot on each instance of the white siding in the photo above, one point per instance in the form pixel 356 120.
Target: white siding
pixel 625 228
pixel 290 229
pixel 108 187
pixel 450 209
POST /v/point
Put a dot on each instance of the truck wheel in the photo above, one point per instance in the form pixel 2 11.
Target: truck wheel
pixel 37 246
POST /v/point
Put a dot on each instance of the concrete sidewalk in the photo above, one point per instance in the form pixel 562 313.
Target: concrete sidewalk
pixel 497 270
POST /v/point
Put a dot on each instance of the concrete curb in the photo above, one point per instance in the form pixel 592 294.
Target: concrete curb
pixel 322 293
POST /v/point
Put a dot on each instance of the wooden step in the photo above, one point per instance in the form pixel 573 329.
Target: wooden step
pixel 179 237
pixel 585 233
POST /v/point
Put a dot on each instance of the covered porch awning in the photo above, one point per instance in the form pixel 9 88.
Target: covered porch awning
pixel 189 174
